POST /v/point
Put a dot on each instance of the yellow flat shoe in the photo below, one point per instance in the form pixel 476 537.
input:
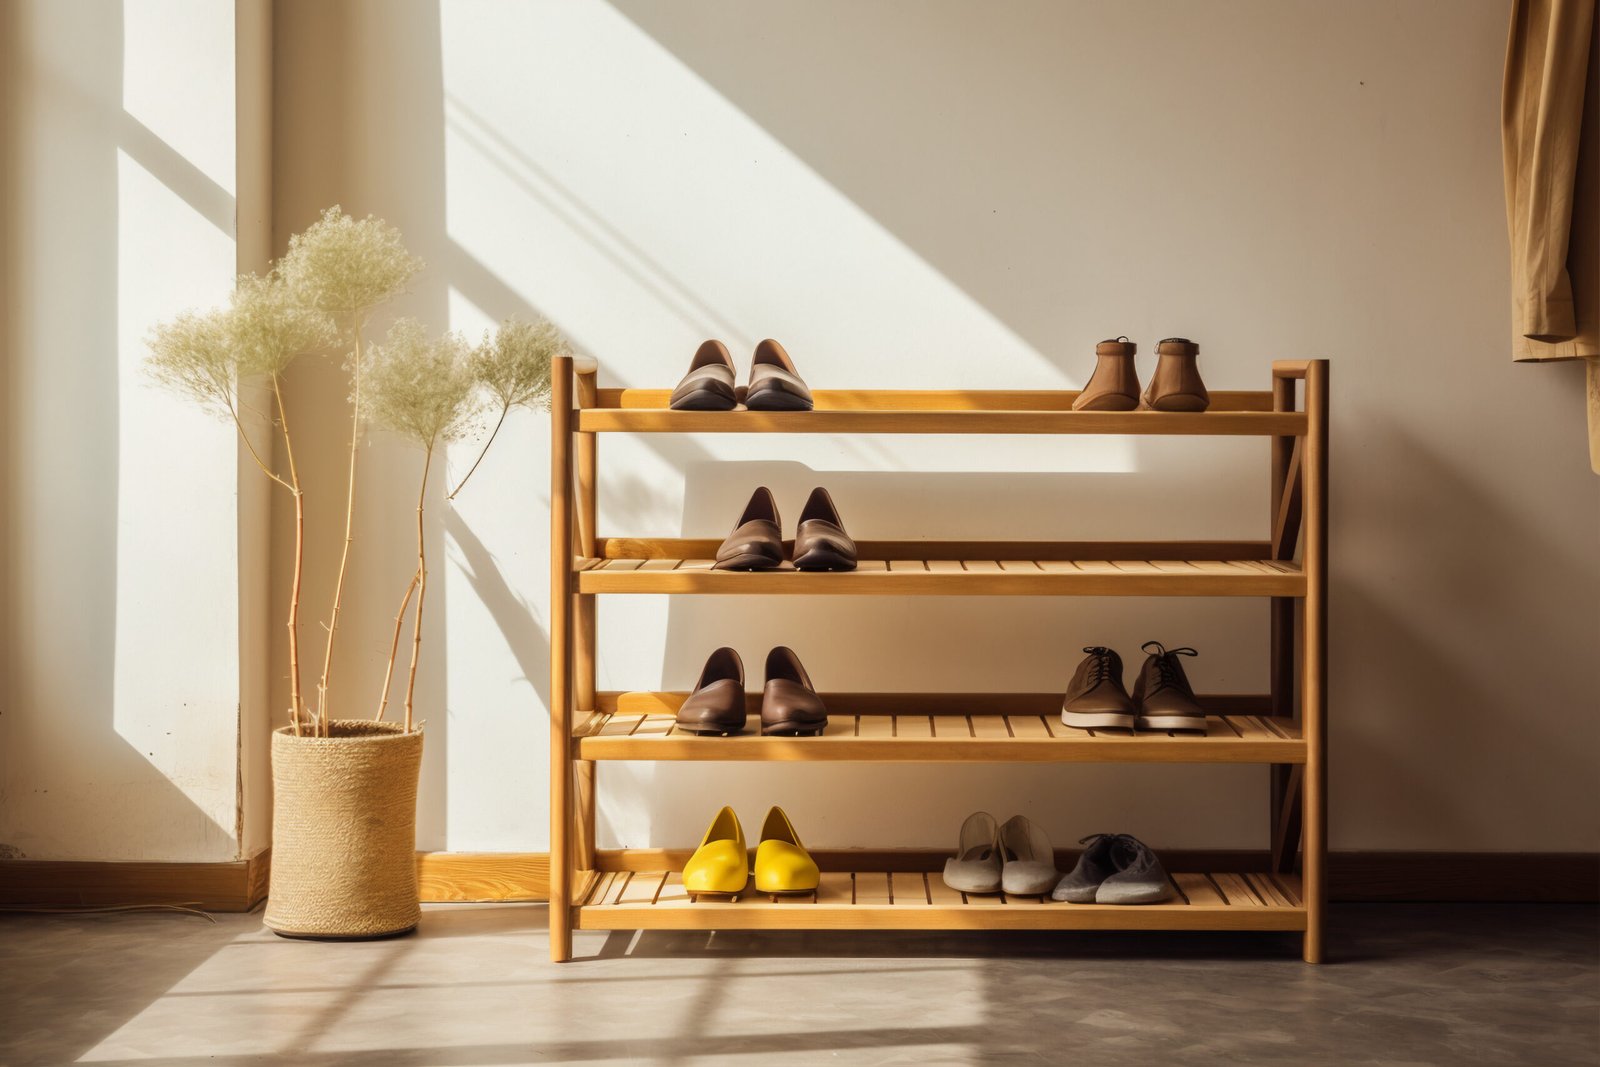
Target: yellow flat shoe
pixel 721 865
pixel 782 863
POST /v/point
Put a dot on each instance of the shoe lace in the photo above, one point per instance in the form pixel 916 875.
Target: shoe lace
pixel 1169 673
pixel 1099 665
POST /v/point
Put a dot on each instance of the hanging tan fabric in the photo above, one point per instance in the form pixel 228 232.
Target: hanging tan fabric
pixel 1550 137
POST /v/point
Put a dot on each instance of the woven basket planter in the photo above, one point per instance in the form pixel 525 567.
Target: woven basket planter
pixel 344 832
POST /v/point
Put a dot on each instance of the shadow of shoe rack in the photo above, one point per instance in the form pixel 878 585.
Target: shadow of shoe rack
pixel 629 889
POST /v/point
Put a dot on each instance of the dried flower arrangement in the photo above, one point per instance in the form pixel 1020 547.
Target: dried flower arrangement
pixel 319 298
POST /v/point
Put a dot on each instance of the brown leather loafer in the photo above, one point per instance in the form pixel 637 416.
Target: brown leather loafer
pixel 820 543
pixel 1176 384
pixel 1095 696
pixel 1114 386
pixel 774 383
pixel 717 704
pixel 709 385
pixel 756 543
pixel 790 707
pixel 1162 691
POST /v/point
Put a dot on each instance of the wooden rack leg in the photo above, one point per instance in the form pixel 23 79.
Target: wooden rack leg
pixel 561 600
pixel 1313 664
pixel 1283 802
pixel 585 630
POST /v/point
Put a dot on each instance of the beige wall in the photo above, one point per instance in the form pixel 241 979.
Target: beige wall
pixel 965 194
pixel 130 649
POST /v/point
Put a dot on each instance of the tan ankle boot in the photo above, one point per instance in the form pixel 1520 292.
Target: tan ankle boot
pixel 1114 386
pixel 1176 384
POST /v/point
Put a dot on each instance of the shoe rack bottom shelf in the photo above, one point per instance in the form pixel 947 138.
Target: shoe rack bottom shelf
pixel 917 900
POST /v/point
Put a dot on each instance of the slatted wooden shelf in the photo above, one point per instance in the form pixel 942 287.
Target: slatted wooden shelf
pixel 954 577
pixel 940 412
pixel 1020 727
pixel 918 900
pixel 1286 730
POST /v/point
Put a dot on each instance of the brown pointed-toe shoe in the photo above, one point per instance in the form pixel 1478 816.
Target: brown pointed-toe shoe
pixel 1114 386
pixel 1162 694
pixel 774 383
pixel 789 705
pixel 756 543
pixel 709 385
pixel 820 543
pixel 1096 696
pixel 717 705
pixel 1176 384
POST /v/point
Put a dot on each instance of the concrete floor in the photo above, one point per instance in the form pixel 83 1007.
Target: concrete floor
pixel 1409 984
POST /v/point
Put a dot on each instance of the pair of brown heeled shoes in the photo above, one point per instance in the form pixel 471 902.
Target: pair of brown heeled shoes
pixel 1114 386
pixel 709 385
pixel 756 543
pixel 790 706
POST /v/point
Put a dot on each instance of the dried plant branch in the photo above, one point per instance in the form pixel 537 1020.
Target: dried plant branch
pixel 425 391
pixel 205 356
pixel 344 267
pixel 513 365
pixel 394 645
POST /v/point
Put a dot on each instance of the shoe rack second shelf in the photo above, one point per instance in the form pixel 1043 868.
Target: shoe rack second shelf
pixel 958 568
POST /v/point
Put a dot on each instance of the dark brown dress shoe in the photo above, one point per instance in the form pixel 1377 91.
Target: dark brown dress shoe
pixel 1095 696
pixel 709 385
pixel 1162 691
pixel 1114 386
pixel 820 543
pixel 789 706
pixel 774 383
pixel 1176 384
pixel 756 543
pixel 717 704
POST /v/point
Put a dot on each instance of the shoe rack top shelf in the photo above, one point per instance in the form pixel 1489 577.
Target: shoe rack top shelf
pixel 1232 413
pixel 936 727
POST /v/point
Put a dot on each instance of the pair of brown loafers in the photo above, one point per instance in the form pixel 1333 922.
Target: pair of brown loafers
pixel 756 543
pixel 1114 386
pixel 775 385
pixel 790 706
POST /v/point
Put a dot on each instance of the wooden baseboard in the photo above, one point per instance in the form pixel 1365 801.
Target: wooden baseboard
pixel 458 877
pixel 462 877
pixel 237 885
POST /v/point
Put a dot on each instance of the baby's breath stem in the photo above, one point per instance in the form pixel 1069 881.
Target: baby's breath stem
pixel 394 645
pixel 422 588
pixel 504 410
pixel 349 531
pixel 299 561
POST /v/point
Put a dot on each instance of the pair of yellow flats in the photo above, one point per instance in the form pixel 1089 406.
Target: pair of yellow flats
pixel 720 867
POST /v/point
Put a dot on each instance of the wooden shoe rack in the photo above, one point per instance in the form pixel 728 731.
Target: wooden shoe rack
pixel 1285 728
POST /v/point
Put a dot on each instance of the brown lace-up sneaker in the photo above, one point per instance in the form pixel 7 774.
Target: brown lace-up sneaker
pixel 1162 692
pixel 1176 384
pixel 1114 385
pixel 1096 696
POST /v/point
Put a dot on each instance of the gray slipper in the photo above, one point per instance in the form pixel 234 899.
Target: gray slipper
pixel 1030 862
pixel 975 868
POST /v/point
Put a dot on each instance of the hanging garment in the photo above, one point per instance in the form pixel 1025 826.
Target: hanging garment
pixel 1550 136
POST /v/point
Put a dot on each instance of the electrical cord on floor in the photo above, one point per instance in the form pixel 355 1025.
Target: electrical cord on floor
pixel 189 908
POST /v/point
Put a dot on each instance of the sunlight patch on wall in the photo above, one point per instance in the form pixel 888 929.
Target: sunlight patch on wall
pixel 608 185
